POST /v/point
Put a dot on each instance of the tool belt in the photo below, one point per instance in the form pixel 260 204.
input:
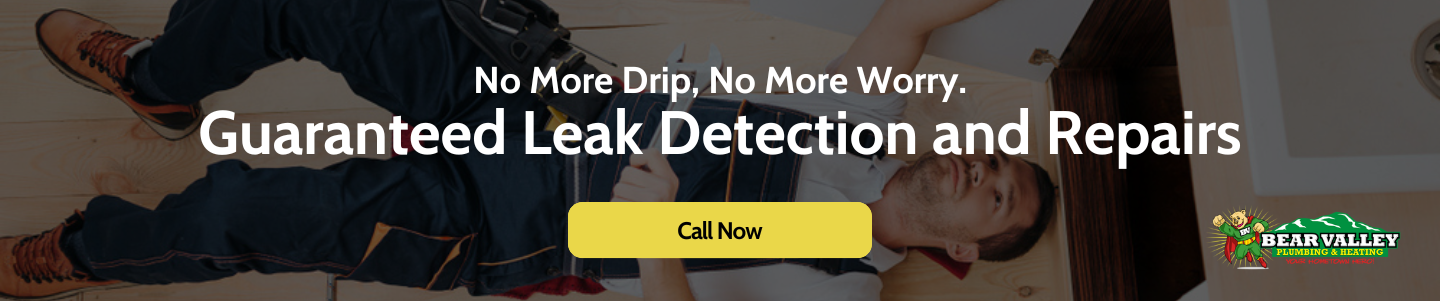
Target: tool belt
pixel 521 35
pixel 1246 242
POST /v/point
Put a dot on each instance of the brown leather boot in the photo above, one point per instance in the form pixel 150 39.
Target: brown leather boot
pixel 32 267
pixel 94 54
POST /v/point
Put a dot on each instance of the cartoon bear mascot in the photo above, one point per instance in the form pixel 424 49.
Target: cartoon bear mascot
pixel 1243 231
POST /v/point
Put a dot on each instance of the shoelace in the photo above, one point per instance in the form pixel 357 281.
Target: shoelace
pixel 105 50
pixel 38 259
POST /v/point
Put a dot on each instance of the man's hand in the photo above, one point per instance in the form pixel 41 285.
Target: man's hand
pixel 1259 228
pixel 647 179
pixel 650 179
pixel 1219 220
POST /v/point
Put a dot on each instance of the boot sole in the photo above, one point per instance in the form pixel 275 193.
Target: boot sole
pixel 164 131
pixel 72 293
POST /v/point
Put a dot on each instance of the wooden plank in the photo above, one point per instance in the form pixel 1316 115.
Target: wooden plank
pixel 1061 263
pixel 1209 85
pixel 992 103
pixel 30 215
pixel 123 156
pixel 350 290
pixel 1102 266
pixel 147 17
pixel 307 286
pixel 138 17
pixel 248 286
pixel 749 47
pixel 583 14
pixel 1030 277
pixel 38 92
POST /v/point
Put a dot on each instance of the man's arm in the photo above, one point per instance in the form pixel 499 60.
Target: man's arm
pixel 664 279
pixel 650 179
pixel 896 37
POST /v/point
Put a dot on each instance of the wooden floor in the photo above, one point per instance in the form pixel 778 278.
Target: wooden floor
pixel 61 144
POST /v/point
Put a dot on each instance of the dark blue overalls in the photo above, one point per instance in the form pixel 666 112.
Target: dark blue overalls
pixel 486 222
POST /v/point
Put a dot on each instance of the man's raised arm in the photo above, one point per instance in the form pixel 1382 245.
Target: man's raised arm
pixel 896 37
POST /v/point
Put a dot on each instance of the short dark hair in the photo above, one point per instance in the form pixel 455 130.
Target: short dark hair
pixel 1019 240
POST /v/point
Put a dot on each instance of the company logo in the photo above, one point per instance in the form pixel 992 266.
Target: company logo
pixel 1334 235
pixel 1245 238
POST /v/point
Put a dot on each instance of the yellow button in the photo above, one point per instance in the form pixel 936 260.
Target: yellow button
pixel 720 230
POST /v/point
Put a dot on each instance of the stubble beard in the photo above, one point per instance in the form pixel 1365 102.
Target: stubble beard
pixel 922 211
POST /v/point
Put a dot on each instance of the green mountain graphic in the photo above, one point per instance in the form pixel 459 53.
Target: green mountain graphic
pixel 1338 222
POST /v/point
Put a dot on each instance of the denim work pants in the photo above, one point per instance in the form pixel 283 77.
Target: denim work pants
pixel 438 222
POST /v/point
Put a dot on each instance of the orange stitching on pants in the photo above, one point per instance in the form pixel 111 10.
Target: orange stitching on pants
pixel 719 267
pixel 730 176
pixel 795 168
pixel 454 253
pixel 591 183
pixel 513 260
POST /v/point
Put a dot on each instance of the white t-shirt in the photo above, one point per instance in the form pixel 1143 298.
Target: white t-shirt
pixel 824 178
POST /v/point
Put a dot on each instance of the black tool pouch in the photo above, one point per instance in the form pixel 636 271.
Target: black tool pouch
pixel 522 35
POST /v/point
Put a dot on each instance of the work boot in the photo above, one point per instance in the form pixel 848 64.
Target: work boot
pixel 33 267
pixel 94 54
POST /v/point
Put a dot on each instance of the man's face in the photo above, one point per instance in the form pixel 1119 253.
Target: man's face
pixel 965 198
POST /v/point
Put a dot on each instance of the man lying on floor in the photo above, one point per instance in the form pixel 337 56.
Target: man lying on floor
pixel 489 223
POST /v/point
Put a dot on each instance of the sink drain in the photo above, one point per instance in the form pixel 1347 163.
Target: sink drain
pixel 1427 59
